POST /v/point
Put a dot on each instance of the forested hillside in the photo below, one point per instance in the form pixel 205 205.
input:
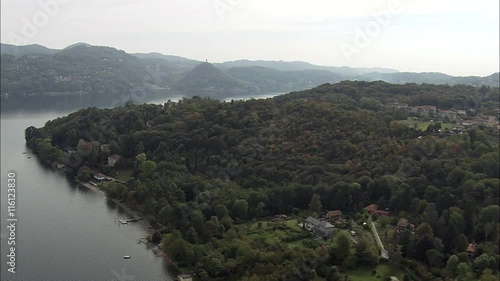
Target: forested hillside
pixel 104 75
pixel 213 176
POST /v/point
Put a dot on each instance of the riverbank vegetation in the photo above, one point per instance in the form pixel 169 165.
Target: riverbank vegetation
pixel 215 176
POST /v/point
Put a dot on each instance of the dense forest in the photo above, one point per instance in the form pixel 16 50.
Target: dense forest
pixel 213 176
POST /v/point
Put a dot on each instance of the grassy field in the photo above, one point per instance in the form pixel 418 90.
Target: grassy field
pixel 383 270
pixel 422 125
pixel 386 235
pixel 124 175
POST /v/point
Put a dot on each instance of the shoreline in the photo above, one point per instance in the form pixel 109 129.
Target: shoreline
pixel 144 223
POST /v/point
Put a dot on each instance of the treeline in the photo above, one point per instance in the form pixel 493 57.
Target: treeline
pixel 201 167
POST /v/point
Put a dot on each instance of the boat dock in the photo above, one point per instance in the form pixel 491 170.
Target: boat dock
pixel 122 221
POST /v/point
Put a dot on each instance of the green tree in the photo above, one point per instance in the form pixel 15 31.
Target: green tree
pixel 240 208
pixel 452 265
pixel 342 245
pixel 483 262
pixel 315 205
pixel 434 257
pixel 464 272
pixel 140 158
pixel 221 211
pixel 148 167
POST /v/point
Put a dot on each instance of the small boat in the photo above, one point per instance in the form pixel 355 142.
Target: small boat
pixel 29 157
pixel 126 257
pixel 24 152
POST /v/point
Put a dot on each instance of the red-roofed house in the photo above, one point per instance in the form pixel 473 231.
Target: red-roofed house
pixel 112 160
pixel 374 209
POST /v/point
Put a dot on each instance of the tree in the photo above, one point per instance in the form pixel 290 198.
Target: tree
pixel 423 229
pixel 434 257
pixel 461 243
pixel 430 215
pixel 483 262
pixel 488 221
pixel 221 211
pixel 424 244
pixel 240 208
pixel 148 167
pixel 333 274
pixel 342 245
pixel 452 265
pixel 464 272
pixel 197 220
pixel 407 242
pixel 140 158
pixel 384 221
pixel 315 205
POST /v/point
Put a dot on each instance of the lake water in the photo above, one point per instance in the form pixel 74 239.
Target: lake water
pixel 65 232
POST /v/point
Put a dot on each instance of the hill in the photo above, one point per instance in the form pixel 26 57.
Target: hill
pixel 207 80
pixel 268 80
pixel 107 76
pixel 228 185
pixel 18 51
pixel 171 58
pixel 300 65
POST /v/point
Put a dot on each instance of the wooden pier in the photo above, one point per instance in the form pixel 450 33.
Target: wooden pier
pixel 122 221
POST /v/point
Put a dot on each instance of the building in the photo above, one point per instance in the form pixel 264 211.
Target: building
pixel 185 277
pixel 113 159
pixel 451 114
pixel 105 148
pixel 335 215
pixel 99 177
pixel 318 228
pixel 404 224
pixel 280 217
pixel 374 209
pixel 423 110
pixel 471 249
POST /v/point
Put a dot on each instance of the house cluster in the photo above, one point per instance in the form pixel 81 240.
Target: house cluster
pixel 428 110
pixel 105 148
pixel 323 228
pixel 460 116
pixel 487 121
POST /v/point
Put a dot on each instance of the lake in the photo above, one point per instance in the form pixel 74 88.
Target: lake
pixel 65 232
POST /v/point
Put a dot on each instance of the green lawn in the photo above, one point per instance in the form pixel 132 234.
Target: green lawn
pixel 422 125
pixel 124 175
pixel 273 232
pixel 365 273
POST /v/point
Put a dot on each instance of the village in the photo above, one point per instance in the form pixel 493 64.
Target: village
pixel 460 120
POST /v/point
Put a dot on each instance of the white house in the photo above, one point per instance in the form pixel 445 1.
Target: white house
pixel 185 277
pixel 99 177
pixel 319 228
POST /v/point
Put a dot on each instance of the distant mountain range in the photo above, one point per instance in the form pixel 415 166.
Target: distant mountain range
pixel 106 72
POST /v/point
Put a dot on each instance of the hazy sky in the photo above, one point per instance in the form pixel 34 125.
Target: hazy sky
pixel 454 37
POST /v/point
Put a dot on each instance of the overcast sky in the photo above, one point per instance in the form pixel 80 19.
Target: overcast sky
pixel 450 36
